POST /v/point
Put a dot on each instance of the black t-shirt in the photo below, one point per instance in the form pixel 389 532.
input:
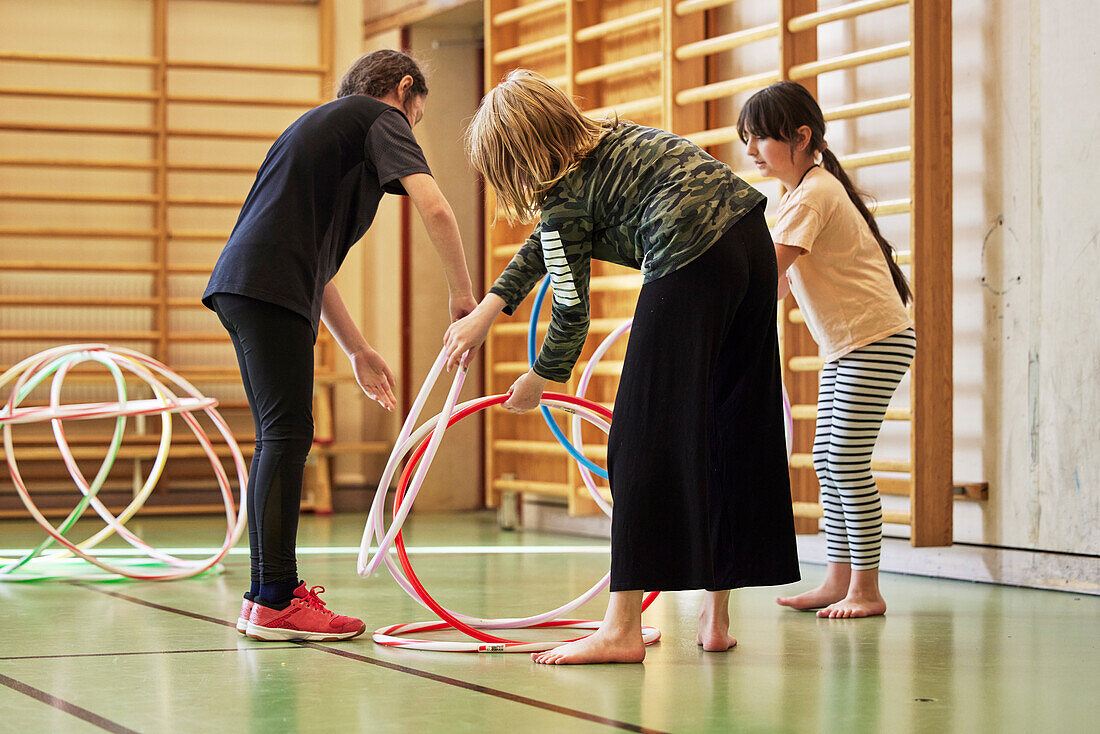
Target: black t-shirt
pixel 314 196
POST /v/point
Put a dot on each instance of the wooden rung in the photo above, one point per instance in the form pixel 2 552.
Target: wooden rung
pixel 524 485
pixel 847 10
pixel 728 88
pixel 813 510
pixel 809 413
pixel 612 283
pixel 78 59
pixel 223 134
pixel 605 492
pixel 726 42
pixel 546 448
pixel 595 326
pixel 524 12
pixel 806 461
pixel 63 301
pixel 77 335
pixel 850 61
pixel 717 136
pixel 892 206
pixel 76 267
pixel 606 368
pixel 687 7
pixel 233 202
pixel 189 373
pixel 45 127
pixel 75 198
pixel 627 109
pixel 78 163
pixel 903 257
pixel 795 316
pixel 870 107
pixel 197 337
pixel 805 364
pixel 561 82
pixel 210 168
pixel 190 269
pixel 261 68
pixel 103 96
pixel 618 68
pixel 546 45
pixel 855 160
pixel 337 448
pixel 877 157
pixel 241 101
pixel 197 234
pixel 894 486
pixel 625 23
pixel 146 510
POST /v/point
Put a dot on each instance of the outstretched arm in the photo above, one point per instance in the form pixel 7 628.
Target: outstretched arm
pixel 442 228
pixel 371 371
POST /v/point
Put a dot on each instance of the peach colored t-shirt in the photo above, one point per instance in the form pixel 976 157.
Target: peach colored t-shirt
pixel 842 283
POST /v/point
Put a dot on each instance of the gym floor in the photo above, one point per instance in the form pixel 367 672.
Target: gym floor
pixel 163 657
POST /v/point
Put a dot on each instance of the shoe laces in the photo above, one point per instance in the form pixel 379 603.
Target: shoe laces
pixel 314 601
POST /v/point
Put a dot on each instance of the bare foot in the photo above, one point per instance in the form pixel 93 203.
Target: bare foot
pixel 714 632
pixel 599 647
pixel 822 596
pixel 854 606
pixel 714 639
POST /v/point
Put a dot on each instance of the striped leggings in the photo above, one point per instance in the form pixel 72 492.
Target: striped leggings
pixel 854 394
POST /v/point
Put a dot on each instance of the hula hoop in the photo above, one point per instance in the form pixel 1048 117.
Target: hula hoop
pixel 583 461
pixel 476 627
pixel 426 440
pixel 59 361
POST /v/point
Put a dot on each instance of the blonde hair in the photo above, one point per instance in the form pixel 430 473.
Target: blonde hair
pixel 525 136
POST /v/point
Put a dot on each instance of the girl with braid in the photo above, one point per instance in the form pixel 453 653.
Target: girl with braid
pixel 852 296
pixel 696 456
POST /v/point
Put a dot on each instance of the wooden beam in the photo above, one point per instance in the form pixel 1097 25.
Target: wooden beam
pixel 932 388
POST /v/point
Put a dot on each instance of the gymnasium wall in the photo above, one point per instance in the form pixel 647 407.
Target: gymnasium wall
pixel 1026 290
pixel 1026 295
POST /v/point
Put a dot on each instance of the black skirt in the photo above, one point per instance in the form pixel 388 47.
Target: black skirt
pixel 697 455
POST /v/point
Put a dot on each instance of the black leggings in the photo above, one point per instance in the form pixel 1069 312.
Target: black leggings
pixel 275 353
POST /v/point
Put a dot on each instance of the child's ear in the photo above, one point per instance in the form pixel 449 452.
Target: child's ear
pixel 804 135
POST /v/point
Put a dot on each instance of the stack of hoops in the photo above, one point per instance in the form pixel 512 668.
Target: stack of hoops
pixel 150 564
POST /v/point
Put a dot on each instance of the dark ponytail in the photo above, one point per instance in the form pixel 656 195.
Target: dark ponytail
pixel 777 112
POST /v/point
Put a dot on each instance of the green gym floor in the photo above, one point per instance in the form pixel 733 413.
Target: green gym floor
pixel 164 657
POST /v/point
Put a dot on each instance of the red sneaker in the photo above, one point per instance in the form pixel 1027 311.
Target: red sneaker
pixel 305 619
pixel 242 618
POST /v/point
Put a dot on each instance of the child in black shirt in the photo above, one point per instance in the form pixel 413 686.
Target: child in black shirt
pixel 315 196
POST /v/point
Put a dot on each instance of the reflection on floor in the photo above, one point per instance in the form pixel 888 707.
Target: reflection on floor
pixel 950 656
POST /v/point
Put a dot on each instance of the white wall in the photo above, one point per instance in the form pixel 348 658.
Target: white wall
pixel 1027 221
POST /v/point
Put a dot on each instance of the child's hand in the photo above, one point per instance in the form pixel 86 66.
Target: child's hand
pixel 525 393
pixel 464 336
pixel 374 376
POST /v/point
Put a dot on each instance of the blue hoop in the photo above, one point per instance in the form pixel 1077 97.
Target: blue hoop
pixel 550 422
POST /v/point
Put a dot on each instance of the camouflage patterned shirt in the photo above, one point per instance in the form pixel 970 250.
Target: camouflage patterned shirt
pixel 643 198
